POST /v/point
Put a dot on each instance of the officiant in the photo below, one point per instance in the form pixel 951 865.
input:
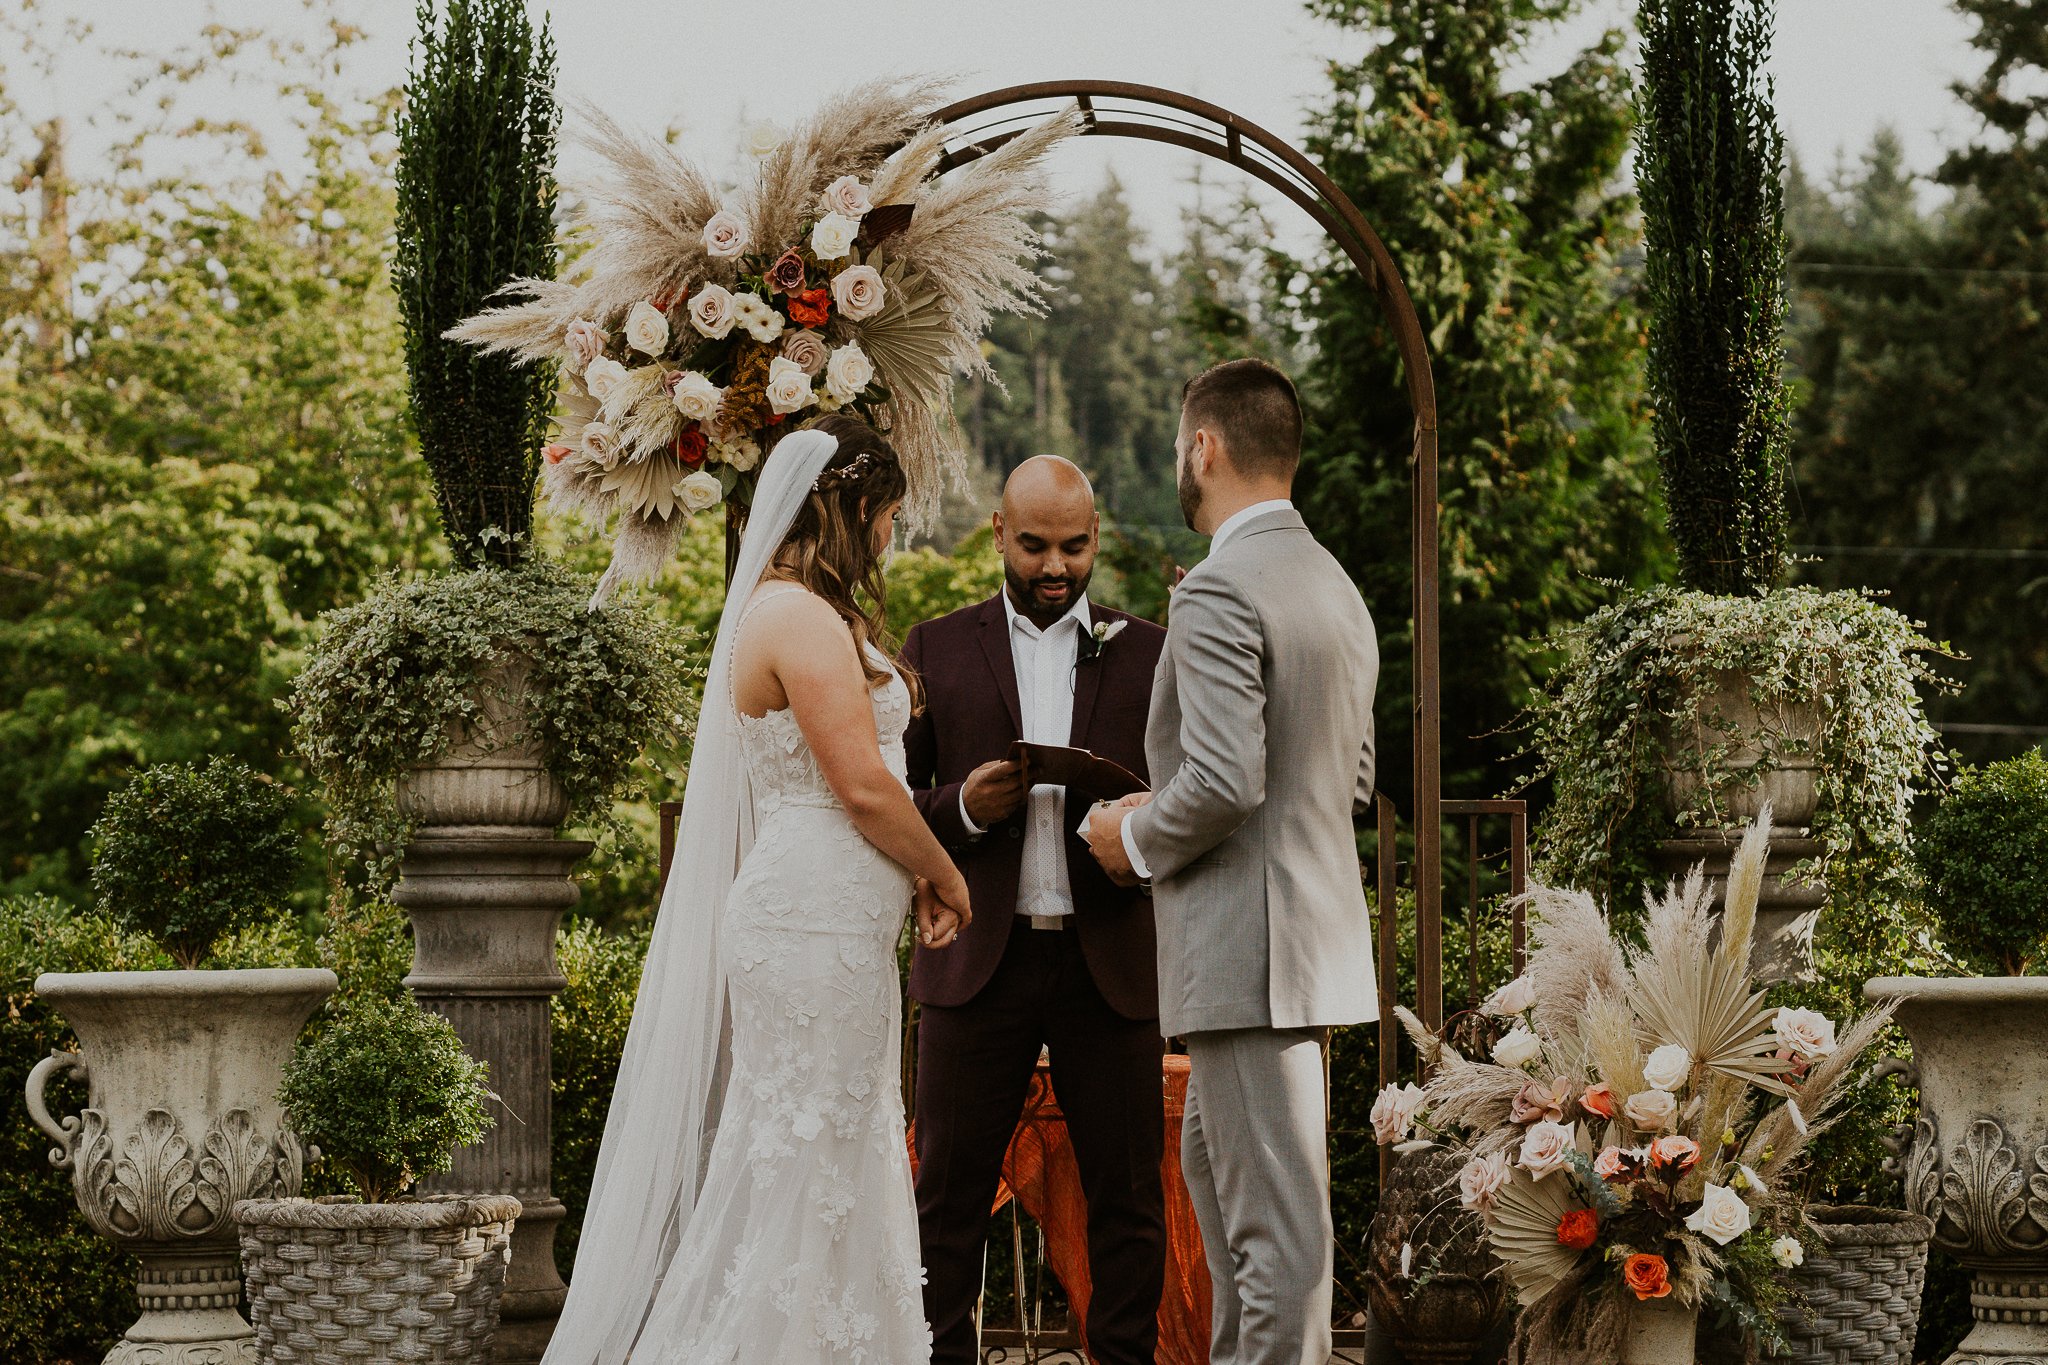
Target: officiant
pixel 1057 958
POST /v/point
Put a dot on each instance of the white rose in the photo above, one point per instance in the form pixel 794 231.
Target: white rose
pixel 711 311
pixel 848 372
pixel 601 443
pixel 646 328
pixel 603 378
pixel 858 291
pixel 1808 1034
pixel 696 397
pixel 789 388
pixel 807 349
pixel 760 138
pixel 1668 1067
pixel 584 342
pixel 1518 1049
pixel 1721 1215
pixel 725 236
pixel 699 491
pixel 1787 1252
pixel 847 197
pixel 738 451
pixel 833 236
pixel 1393 1113
pixel 1512 999
pixel 1652 1111
pixel 1482 1178
pixel 1546 1148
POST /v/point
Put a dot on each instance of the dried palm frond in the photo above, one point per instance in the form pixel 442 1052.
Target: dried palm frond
pixel 913 341
pixel 971 236
pixel 850 134
pixel 1573 957
pixel 1702 1000
pixel 1522 1229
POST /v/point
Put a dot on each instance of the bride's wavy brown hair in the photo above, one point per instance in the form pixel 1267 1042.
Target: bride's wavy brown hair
pixel 831 546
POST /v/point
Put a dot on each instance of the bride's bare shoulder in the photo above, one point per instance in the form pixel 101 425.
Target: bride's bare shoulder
pixel 781 610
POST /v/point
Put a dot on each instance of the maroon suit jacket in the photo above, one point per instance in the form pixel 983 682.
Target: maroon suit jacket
pixel 971 716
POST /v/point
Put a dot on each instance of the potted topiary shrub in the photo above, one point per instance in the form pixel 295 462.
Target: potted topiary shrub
pixel 182 1066
pixel 1978 1163
pixel 386 1093
pixel 1681 713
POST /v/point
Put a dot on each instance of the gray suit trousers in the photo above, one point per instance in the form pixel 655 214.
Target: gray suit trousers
pixel 1255 1157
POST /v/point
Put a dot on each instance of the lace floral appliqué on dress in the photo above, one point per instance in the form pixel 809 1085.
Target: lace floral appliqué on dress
pixel 803 1248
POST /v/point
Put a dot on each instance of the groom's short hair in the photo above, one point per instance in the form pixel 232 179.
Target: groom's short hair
pixel 1253 406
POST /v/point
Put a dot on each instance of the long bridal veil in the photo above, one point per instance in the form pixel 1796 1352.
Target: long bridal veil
pixel 664 1105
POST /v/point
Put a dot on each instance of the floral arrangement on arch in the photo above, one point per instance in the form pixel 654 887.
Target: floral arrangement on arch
pixel 1638 1131
pixel 698 329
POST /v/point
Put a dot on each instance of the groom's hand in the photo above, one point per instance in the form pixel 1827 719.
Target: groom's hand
pixel 1106 842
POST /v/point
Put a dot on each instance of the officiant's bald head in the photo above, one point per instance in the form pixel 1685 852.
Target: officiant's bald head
pixel 1047 530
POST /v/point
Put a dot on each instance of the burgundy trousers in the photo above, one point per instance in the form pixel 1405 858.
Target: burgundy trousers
pixel 974 1066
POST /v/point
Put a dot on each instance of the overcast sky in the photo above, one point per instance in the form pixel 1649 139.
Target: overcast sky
pixel 1843 67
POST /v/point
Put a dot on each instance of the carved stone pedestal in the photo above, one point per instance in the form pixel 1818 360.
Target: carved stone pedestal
pixel 485 901
pixel 1786 911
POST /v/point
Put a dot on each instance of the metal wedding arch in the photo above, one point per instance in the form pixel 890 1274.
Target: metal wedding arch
pixel 982 123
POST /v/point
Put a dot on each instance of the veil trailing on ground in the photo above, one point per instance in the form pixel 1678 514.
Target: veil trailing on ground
pixel 665 1103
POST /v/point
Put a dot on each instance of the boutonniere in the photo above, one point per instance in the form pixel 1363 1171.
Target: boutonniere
pixel 1097 640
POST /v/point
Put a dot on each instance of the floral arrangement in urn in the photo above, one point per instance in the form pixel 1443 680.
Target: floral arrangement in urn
pixel 700 330
pixel 1636 1134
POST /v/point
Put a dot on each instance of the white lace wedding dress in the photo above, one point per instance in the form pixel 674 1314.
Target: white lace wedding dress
pixel 803 1248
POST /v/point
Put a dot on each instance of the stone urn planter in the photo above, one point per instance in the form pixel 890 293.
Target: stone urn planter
pixel 1977 1166
pixel 181 1123
pixel 1450 1297
pixel 1782 744
pixel 334 1279
pixel 1658 1332
pixel 492 773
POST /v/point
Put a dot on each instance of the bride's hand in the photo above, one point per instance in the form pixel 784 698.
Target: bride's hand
pixel 941 915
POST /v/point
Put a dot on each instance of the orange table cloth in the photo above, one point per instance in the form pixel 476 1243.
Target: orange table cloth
pixel 1039 1171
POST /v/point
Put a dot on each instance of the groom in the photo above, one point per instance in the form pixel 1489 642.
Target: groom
pixel 1261 740
pixel 1057 957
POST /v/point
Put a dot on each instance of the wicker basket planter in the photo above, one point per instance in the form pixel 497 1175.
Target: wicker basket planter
pixel 338 1280
pixel 1861 1288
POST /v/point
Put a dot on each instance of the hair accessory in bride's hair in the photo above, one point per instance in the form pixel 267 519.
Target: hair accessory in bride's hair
pixel 844 474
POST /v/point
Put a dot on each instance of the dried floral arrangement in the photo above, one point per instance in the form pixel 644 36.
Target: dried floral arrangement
pixel 1637 1132
pixel 696 332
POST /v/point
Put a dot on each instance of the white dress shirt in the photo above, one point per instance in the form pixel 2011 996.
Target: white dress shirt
pixel 1044 661
pixel 1232 524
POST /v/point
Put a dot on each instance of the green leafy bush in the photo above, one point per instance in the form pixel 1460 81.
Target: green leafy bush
pixel 395 672
pixel 590 1019
pixel 187 853
pixel 387 1094
pixel 1983 859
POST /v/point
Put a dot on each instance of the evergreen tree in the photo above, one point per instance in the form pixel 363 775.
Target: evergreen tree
pixel 1502 206
pixel 1923 445
pixel 476 199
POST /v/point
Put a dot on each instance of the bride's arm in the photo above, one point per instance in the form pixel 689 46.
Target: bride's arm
pixel 811 655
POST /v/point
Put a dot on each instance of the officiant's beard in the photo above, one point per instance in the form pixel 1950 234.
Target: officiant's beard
pixel 1024 594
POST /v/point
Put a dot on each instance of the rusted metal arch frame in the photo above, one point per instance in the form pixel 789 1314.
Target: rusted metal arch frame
pixel 1181 120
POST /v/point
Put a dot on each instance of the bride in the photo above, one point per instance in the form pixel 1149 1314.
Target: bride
pixel 752 1199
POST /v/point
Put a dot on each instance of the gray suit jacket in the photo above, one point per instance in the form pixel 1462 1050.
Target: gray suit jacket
pixel 1261 740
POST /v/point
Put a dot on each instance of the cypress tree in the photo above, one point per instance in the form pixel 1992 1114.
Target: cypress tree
pixel 476 201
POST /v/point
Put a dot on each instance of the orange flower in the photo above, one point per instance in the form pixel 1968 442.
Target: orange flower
pixel 1673 1156
pixel 1578 1229
pixel 1599 1099
pixel 1646 1275
pixel 555 453
pixel 810 307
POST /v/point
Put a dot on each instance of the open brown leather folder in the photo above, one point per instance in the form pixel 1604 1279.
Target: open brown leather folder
pixel 1056 765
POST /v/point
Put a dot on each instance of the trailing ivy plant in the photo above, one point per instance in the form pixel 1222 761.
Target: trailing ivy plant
pixel 1983 859
pixel 1637 672
pixel 1710 163
pixel 476 201
pixel 394 675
